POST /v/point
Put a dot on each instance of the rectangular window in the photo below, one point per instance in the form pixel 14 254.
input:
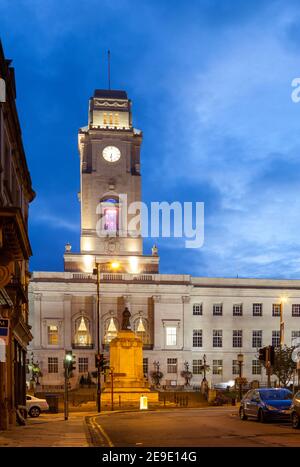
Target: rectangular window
pixel 295 310
pixel 256 367
pixel 197 309
pixel 197 364
pixel 235 367
pixel 257 309
pixel 52 335
pixel 256 339
pixel 172 365
pixel 237 338
pixel 237 310
pixel 217 338
pixel 197 338
pixel 145 366
pixel 217 309
pixel 83 364
pixel 276 309
pixel 276 338
pixel 217 367
pixel 295 337
pixel 171 336
pixel 52 364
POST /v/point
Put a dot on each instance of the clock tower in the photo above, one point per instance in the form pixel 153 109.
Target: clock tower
pixel 110 184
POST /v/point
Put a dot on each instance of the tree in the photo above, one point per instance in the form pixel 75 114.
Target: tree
pixel 284 366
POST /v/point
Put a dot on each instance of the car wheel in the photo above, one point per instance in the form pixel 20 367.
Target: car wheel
pixel 34 412
pixel 295 420
pixel 242 414
pixel 261 416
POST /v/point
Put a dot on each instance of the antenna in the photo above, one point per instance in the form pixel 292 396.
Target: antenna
pixel 108 67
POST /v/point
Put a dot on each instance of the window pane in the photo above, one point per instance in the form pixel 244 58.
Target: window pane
pixel 257 309
pixel 197 309
pixel 197 338
pixel 171 335
pixel 172 365
pixel 197 364
pixel 52 335
pixel 237 310
pixel 217 367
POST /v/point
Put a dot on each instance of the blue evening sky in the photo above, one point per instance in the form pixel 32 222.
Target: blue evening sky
pixel 210 82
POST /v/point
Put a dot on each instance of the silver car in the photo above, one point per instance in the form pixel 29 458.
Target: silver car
pixel 35 406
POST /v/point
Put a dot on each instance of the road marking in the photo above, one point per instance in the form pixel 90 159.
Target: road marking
pixel 99 428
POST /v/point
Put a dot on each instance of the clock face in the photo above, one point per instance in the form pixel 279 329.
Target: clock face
pixel 111 154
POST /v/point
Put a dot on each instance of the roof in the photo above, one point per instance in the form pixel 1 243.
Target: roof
pixel 110 94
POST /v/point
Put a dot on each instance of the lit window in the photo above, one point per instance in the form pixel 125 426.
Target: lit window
pixel 217 367
pixel 52 335
pixel 111 219
pixel 116 119
pixel 171 334
pixel 110 119
pixel 111 330
pixel 104 118
pixel 82 336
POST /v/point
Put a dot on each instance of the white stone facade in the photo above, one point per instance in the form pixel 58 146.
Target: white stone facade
pixel 163 301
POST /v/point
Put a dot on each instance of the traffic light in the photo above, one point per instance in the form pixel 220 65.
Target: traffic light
pixel 69 363
pixel 272 354
pixel 101 362
pixel 262 355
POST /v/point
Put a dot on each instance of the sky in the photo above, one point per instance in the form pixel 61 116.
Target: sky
pixel 210 82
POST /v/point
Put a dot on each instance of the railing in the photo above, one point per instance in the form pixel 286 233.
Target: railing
pixel 82 346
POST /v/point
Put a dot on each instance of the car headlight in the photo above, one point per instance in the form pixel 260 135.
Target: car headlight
pixel 270 407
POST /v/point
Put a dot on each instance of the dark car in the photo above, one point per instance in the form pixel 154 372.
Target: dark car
pixel 265 404
pixel 295 411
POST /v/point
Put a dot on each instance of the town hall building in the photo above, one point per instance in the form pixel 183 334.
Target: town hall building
pixel 180 318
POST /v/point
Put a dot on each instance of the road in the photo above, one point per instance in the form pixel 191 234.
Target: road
pixel 211 427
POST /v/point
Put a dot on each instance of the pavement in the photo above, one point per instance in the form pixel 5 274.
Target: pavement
pixel 49 430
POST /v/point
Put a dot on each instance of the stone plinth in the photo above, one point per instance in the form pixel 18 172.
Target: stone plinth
pixel 126 360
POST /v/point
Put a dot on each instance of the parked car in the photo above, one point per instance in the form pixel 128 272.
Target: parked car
pixel 267 403
pixel 35 406
pixel 295 411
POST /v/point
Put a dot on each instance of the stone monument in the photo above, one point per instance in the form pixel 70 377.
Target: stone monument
pixel 126 382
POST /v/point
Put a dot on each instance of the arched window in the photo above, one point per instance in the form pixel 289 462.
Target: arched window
pixel 110 214
pixel 141 328
pixel 110 329
pixel 82 331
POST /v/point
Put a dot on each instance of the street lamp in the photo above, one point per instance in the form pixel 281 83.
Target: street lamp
pixel 283 300
pixel 114 266
pixel 240 359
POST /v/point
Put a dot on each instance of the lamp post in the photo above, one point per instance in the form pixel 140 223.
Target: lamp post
pixel 240 359
pixel 282 302
pixel 114 265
